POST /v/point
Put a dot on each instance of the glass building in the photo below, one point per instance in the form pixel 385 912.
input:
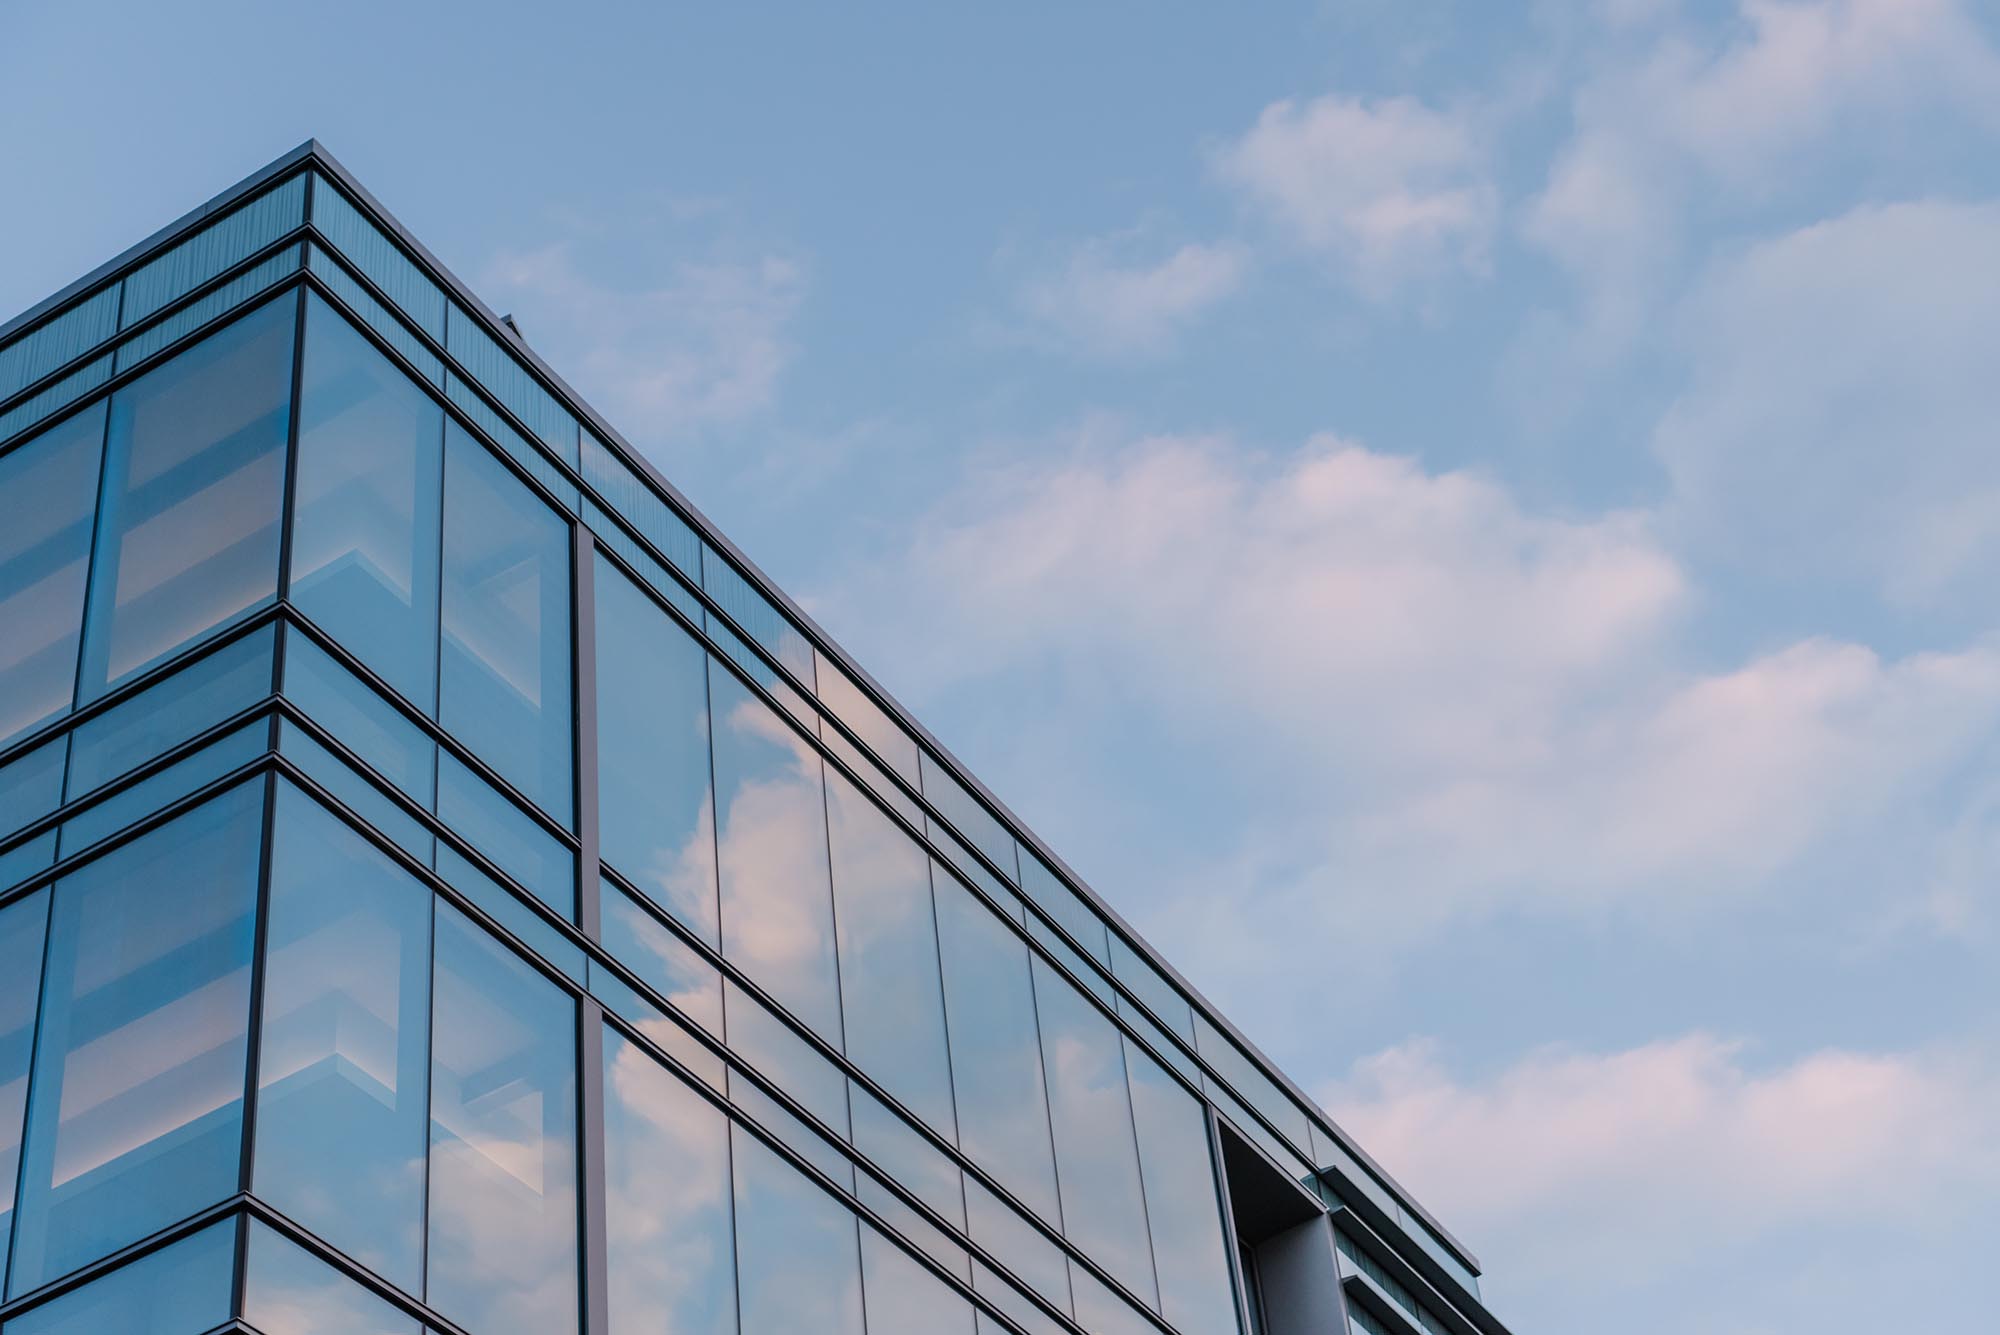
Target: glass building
pixel 445 887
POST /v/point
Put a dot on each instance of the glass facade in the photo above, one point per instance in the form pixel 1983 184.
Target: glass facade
pixel 443 886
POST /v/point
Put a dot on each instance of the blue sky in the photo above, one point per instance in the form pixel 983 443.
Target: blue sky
pixel 1473 525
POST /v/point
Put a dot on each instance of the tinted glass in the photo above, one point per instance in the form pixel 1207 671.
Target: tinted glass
pixel 1097 1162
pixel 21 928
pixel 503 1221
pixel 797 1256
pixel 181 1289
pixel 365 531
pixel 903 1297
pixel 1181 1200
pixel 656 813
pixel 669 1252
pixel 135 1116
pixel 504 663
pixel 1101 1311
pixel 240 747
pixel 667 964
pixel 515 841
pixel 48 496
pixel 187 537
pixel 777 906
pixel 289 1291
pixel 996 1057
pixel 169 712
pixel 894 1001
pixel 1032 1257
pixel 31 785
pixel 363 721
pixel 918 1166
pixel 510 910
pixel 345 1063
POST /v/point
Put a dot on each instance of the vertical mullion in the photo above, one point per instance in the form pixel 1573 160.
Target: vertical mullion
pixel 594 1187
pixel 583 720
pixel 292 441
pixel 1231 1244
pixel 254 1024
pixel 28 1085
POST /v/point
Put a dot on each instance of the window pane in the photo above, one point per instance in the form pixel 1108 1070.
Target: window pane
pixel 1097 1161
pixel 775 1051
pixel 903 1297
pixel 894 1001
pixel 996 1056
pixel 1032 1257
pixel 181 1289
pixel 669 1252
pixel 135 1117
pixel 918 1166
pixel 662 960
pixel 21 928
pixel 777 904
pixel 289 1291
pixel 369 725
pixel 48 497
pixel 503 1222
pixel 518 845
pixel 797 1259
pixel 344 1064
pixel 512 912
pixel 193 479
pixel 231 751
pixel 839 693
pixel 31 785
pixel 365 531
pixel 504 687
pixel 1181 1201
pixel 1102 1312
pixel 1145 982
pixel 656 813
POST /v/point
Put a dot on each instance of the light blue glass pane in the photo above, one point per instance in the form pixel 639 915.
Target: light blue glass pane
pixel 918 1166
pixel 777 903
pixel 758 616
pixel 48 498
pixel 1016 1244
pixel 665 1032
pixel 765 1043
pixel 1174 1054
pixel 17 864
pixel 882 734
pixel 1065 905
pixel 22 925
pixel 368 725
pixel 996 1056
pixel 905 1221
pixel 969 867
pixel 505 662
pixel 364 246
pixel 791 1131
pixel 968 816
pixel 873 775
pixel 59 341
pixel 631 496
pixel 170 711
pixel 664 962
pixel 1182 1204
pixel 1066 955
pixel 344 1061
pixel 670 1254
pixel 508 909
pixel 990 1286
pixel 31 785
pixel 536 464
pixel 366 505
pixel 613 537
pixel 656 815
pixel 1101 1311
pixel 187 536
pixel 59 395
pixel 209 307
pixel 353 791
pixel 758 670
pixel 503 1220
pixel 892 998
pixel 1145 983
pixel 516 843
pixel 903 1297
pixel 135 1115
pixel 374 314
pixel 183 1288
pixel 289 1291
pixel 1251 1084
pixel 518 391
pixel 213 249
pixel 1097 1160
pixel 177 780
pixel 797 1259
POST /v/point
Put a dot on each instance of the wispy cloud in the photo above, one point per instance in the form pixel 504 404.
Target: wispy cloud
pixel 1106 304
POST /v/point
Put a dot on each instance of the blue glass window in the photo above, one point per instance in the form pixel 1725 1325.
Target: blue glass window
pixel 184 1288
pixel 22 924
pixel 903 1297
pixel 505 663
pixel 58 341
pixel 375 255
pixel 884 736
pixel 363 721
pixel 351 789
pixel 187 532
pixel 510 910
pixel 521 393
pixel 631 497
pixel 798 1264
pixel 344 1064
pixel 234 237
pixel 1064 905
pixel 670 1257
pixel 366 505
pixel 1017 1244
pixel 777 902
pixel 289 1291
pixel 503 1221
pixel 667 964
pixel 918 1166
pixel 48 497
pixel 31 785
pixel 156 790
pixel 135 1116
pixel 1101 1311
pixel 1182 1203
pixel 516 843
pixel 656 813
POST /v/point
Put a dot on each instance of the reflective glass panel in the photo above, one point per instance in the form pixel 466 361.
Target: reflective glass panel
pixel 162 787
pixel 187 534
pixel 996 1056
pixel 31 785
pixel 664 962
pixel 181 1289
pixel 518 845
pixel 1250 1083
pixel 21 928
pixel 656 813
pixel 1182 1204
pixel 503 1221
pixel 365 526
pixel 669 1250
pixel 510 910
pixel 48 497
pixel 363 721
pixel 1101 1311
pixel 289 1291
pixel 894 1001
pixel 839 693
pixel 777 905
pixel 1015 1243
pixel 903 1297
pixel 922 1169
pixel 1145 982
pixel 504 664
pixel 345 1062
pixel 990 1286
pixel 135 1116
pixel 797 1257
pixel 775 1051
pixel 170 711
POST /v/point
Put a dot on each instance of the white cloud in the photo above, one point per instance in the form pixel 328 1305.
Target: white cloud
pixel 1112 308
pixel 1388 190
